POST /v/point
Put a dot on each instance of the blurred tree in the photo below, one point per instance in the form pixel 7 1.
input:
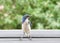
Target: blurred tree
pixel 45 14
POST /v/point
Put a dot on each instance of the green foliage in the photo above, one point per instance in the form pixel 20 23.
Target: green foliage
pixel 45 14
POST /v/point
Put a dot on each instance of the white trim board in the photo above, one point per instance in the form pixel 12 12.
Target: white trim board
pixel 34 33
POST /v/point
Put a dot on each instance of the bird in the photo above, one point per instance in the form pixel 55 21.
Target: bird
pixel 26 25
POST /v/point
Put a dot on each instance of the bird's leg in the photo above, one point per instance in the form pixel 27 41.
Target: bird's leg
pixel 22 36
pixel 29 36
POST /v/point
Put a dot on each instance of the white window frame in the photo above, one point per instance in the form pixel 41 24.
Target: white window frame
pixel 34 33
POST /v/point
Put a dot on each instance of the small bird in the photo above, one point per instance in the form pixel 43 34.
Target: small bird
pixel 26 25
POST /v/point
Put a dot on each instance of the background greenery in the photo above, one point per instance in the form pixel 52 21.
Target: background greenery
pixel 45 14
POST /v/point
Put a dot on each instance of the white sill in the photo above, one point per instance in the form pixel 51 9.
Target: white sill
pixel 34 33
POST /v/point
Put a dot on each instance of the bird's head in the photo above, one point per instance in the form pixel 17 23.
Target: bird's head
pixel 25 17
